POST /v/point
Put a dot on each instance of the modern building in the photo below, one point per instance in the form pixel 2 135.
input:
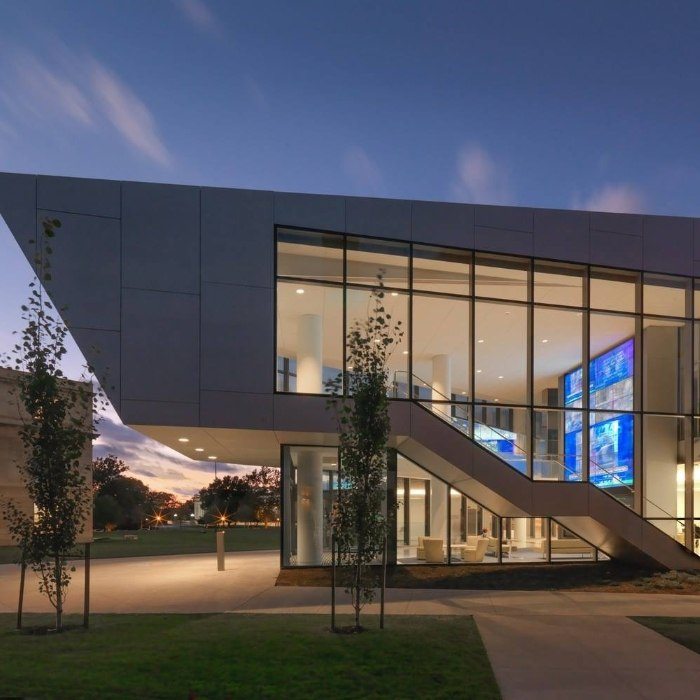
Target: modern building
pixel 545 400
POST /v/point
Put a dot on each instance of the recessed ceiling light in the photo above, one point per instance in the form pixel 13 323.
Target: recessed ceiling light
pixel 464 393
pixel 405 352
pixel 478 371
pixel 500 376
pixel 545 340
pixel 481 340
pixel 183 439
pixel 300 291
pixel 496 400
pixel 199 449
pixel 394 294
pixel 507 313
pixel 212 456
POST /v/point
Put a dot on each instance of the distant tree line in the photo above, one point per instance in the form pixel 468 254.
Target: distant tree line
pixel 250 498
pixel 126 503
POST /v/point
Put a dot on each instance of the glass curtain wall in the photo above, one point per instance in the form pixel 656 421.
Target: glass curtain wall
pixel 566 372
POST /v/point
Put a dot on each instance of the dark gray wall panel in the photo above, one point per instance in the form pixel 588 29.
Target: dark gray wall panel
pixel 160 346
pixel 160 413
pixel 384 218
pixel 237 237
pixel 85 269
pixel 102 351
pixel 562 235
pixel 237 338
pixel 160 229
pixel 668 244
pixel 503 241
pixel 18 208
pixel 512 218
pixel 79 195
pixel 443 224
pixel 631 224
pixel 223 409
pixel 616 249
pixel 318 211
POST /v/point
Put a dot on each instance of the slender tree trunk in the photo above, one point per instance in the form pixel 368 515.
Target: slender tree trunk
pixel 59 593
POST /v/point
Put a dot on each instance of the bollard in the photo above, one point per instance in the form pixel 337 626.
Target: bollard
pixel 220 554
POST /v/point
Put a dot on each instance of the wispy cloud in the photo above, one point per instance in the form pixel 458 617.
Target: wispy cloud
pixel 81 92
pixel 621 198
pixel 128 114
pixel 480 178
pixel 362 170
pixel 198 13
pixel 159 466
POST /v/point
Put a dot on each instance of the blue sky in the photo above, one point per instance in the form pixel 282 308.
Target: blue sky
pixel 558 104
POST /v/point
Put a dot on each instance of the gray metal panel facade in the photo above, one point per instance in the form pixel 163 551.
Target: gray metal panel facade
pixel 170 288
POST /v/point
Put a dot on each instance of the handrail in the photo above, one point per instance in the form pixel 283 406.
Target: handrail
pixel 409 381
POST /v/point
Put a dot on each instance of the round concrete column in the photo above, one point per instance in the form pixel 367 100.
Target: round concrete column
pixel 442 377
pixel 309 508
pixel 310 354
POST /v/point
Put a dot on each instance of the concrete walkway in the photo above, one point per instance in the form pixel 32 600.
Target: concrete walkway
pixel 544 644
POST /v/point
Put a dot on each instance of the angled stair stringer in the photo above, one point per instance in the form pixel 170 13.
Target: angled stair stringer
pixel 579 506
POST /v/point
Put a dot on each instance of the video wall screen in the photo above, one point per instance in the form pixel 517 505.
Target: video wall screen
pixel 611 389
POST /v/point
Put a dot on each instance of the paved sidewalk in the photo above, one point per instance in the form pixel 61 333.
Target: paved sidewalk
pixel 542 644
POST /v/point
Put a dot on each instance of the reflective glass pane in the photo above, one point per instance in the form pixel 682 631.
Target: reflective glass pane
pixel 557 445
pixel 566 546
pixel 666 295
pixel 422 526
pixel 310 488
pixel 309 336
pixel 557 350
pixel 612 365
pixel 359 307
pixel 501 353
pixel 441 270
pixel 556 283
pixel 524 540
pixel 367 258
pixel 505 432
pixel 473 531
pixel 613 290
pixel 501 277
pixel 667 349
pixel 664 466
pixel 441 348
pixel 310 254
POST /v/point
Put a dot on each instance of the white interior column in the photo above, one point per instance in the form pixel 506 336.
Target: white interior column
pixel 309 508
pixel 442 377
pixel 310 354
pixel 520 532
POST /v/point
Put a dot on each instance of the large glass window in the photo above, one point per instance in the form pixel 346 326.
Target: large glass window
pixel 667 350
pixel 367 258
pixel 441 348
pixel 501 277
pixel 501 353
pixel 310 255
pixel 505 432
pixel 559 284
pixel 666 295
pixel 441 270
pixel 613 290
pixel 557 349
pixel 557 445
pixel 309 336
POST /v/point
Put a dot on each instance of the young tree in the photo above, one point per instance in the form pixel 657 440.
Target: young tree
pixel 57 430
pixel 105 470
pixel 359 525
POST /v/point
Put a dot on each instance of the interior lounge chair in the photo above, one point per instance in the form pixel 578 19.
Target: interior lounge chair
pixel 476 553
pixel 420 552
pixel 433 547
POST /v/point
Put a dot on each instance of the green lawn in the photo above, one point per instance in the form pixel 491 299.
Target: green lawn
pixel 175 540
pixel 684 630
pixel 246 656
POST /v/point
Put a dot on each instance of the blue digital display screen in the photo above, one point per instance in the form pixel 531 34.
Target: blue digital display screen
pixel 611 388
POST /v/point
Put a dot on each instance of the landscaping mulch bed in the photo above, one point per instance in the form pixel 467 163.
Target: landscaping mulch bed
pixel 600 577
